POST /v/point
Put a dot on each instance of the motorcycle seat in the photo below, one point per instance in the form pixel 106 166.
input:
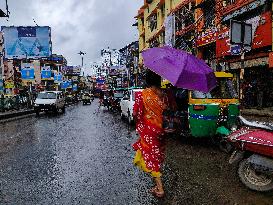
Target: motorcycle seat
pixel 255 124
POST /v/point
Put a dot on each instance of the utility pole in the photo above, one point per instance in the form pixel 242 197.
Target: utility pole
pixel 82 55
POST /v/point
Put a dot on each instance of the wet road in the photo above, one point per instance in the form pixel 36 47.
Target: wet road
pixel 85 157
pixel 77 158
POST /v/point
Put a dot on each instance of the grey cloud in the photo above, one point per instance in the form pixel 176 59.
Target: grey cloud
pixel 87 25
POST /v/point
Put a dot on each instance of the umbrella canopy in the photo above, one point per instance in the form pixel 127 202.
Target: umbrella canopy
pixel 180 68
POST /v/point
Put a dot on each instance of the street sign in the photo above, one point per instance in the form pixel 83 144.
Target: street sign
pixel 241 33
pixel 235 49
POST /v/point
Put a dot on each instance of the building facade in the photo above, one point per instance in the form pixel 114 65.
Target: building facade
pixel 202 27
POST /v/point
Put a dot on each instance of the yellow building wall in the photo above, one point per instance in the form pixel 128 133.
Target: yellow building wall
pixel 145 34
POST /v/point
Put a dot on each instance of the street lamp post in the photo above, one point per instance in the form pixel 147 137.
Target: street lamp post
pixel 82 55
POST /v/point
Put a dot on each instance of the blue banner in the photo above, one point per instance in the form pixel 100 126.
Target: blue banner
pixel 46 73
pixel 100 81
pixel 69 84
pixel 27 42
pixel 64 84
pixel 75 87
pixel 58 77
pixel 1 85
pixel 28 74
pixel 24 32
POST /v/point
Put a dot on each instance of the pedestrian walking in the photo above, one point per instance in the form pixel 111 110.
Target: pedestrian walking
pixel 101 98
pixel 148 110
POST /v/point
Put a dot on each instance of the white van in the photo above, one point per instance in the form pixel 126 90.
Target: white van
pixel 49 101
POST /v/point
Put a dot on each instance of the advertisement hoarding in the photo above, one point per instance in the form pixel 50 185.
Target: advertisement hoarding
pixel 46 73
pixel 27 42
pixel 27 72
pixel 58 78
pixel 72 70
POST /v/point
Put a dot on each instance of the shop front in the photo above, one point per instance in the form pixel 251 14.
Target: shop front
pixel 256 83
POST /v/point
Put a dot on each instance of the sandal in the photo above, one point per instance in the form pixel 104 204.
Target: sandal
pixel 157 193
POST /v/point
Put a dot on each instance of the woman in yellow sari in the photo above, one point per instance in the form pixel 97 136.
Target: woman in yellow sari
pixel 148 110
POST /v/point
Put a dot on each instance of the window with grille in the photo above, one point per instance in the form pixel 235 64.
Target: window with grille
pixel 209 13
pixel 152 22
pixel 184 17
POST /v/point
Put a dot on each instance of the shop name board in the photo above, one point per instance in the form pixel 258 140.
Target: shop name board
pixel 250 63
pixel 244 9
pixel 261 34
pixel 207 37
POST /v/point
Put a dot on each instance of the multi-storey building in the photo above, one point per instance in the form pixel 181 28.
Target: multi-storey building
pixel 202 27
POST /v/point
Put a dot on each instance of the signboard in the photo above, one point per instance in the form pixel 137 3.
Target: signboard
pixel 75 87
pixel 9 84
pixel 8 70
pixel 65 84
pixel 1 86
pixel 244 9
pixel 27 42
pixel 207 37
pixel 58 77
pixel 27 71
pixel 37 70
pixel 46 73
pixel 100 81
pixel 72 70
pixel 261 35
pixel 235 50
pixel 170 30
pixel 250 63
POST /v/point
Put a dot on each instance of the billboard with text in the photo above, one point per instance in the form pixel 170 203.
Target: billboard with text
pixel 27 42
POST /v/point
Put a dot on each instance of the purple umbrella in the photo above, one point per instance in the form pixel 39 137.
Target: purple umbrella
pixel 180 68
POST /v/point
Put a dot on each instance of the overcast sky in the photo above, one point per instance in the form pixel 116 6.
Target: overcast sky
pixel 86 25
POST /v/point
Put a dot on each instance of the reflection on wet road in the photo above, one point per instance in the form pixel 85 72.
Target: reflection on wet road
pixel 77 158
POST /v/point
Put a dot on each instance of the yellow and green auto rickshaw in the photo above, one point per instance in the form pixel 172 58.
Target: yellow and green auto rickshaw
pixel 211 114
pixel 215 112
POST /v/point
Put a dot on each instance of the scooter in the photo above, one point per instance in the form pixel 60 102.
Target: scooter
pixel 253 154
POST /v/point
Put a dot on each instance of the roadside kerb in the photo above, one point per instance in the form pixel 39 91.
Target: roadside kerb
pixel 4 116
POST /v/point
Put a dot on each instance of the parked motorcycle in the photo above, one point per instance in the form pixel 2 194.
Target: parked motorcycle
pixel 253 154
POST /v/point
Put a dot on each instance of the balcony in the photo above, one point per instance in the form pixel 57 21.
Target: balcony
pixel 184 19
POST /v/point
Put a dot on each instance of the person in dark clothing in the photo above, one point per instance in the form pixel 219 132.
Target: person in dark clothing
pixel 101 98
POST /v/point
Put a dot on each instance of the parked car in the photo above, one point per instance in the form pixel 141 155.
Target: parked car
pixel 49 101
pixel 127 104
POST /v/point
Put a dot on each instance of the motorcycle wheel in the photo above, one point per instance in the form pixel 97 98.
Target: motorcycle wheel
pixel 254 180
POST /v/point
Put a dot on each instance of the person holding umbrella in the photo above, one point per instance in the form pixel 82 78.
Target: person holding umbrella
pixel 148 113
pixel 183 70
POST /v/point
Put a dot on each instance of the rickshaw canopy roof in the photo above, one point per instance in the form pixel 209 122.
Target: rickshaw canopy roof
pixel 223 75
